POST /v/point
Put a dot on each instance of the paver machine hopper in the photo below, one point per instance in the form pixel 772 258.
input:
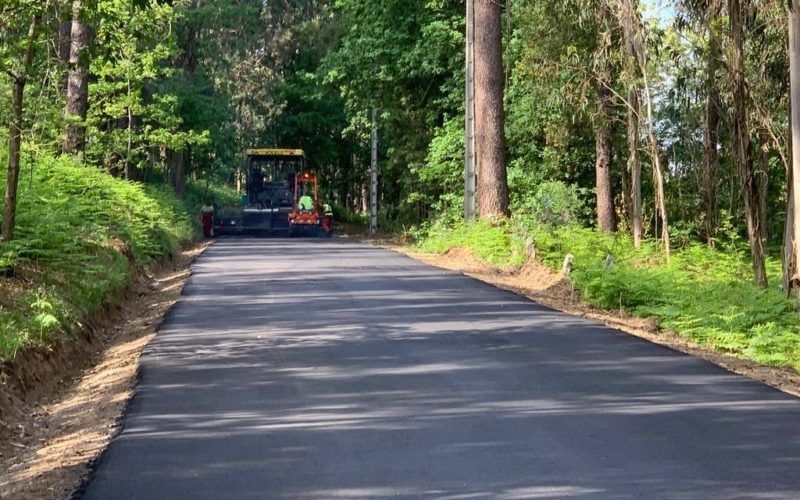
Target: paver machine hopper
pixel 280 198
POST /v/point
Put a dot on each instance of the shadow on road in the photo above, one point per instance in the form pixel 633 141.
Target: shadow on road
pixel 329 370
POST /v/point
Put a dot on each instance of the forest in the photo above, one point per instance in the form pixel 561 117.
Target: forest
pixel 649 139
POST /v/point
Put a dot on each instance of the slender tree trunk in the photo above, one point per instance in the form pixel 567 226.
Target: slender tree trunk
pixel 489 112
pixel 628 16
pixel 711 130
pixel 178 171
pixel 741 143
pixel 77 81
pixel 762 182
pixel 635 167
pixel 634 116
pixel 14 144
pixel 792 257
pixel 606 218
pixel 64 34
pixel 787 252
pixel 15 135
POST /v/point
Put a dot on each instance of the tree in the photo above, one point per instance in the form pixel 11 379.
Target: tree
pixel 711 122
pixel 742 148
pixel 606 216
pixel 19 76
pixel 77 80
pixel 636 41
pixel 490 140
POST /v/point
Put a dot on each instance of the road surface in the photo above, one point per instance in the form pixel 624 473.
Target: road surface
pixel 327 369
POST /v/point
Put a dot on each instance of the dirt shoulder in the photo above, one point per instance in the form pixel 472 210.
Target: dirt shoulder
pixel 540 284
pixel 50 433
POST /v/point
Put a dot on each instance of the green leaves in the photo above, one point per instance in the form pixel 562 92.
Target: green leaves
pixel 76 228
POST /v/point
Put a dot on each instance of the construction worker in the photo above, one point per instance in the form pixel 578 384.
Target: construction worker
pixel 327 220
pixel 207 218
pixel 306 203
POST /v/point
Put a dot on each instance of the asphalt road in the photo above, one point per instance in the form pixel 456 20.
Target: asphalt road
pixel 327 369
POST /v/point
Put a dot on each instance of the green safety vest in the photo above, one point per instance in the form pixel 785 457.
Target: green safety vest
pixel 306 203
pixel 328 210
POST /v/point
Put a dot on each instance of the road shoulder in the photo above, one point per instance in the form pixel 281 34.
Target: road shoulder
pixel 53 437
pixel 541 285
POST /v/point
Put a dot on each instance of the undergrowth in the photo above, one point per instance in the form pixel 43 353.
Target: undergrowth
pixel 79 234
pixel 706 295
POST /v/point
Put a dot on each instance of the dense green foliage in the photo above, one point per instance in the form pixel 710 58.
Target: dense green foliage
pixel 81 235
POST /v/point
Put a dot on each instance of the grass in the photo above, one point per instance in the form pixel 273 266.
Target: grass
pixel 703 294
pixel 79 233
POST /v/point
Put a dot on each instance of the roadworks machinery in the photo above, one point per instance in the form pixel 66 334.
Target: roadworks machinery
pixel 281 198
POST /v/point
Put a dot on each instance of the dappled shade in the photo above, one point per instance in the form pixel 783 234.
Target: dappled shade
pixel 334 370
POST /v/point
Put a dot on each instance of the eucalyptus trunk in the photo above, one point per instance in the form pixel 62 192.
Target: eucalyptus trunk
pixel 742 150
pixel 635 167
pixel 762 184
pixel 633 33
pixel 792 252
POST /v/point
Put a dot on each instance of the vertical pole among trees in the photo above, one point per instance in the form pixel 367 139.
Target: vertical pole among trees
pixel 469 137
pixel 373 199
pixel 711 125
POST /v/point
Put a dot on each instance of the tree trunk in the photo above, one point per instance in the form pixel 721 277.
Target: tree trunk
pixel 787 252
pixel 14 144
pixel 606 218
pixel 741 143
pixel 711 132
pixel 77 81
pixel 64 33
pixel 15 135
pixel 489 112
pixel 178 172
pixel 635 167
pixel 629 19
pixel 793 213
pixel 762 183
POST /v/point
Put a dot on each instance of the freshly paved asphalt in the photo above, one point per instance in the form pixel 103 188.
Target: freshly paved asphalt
pixel 327 369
